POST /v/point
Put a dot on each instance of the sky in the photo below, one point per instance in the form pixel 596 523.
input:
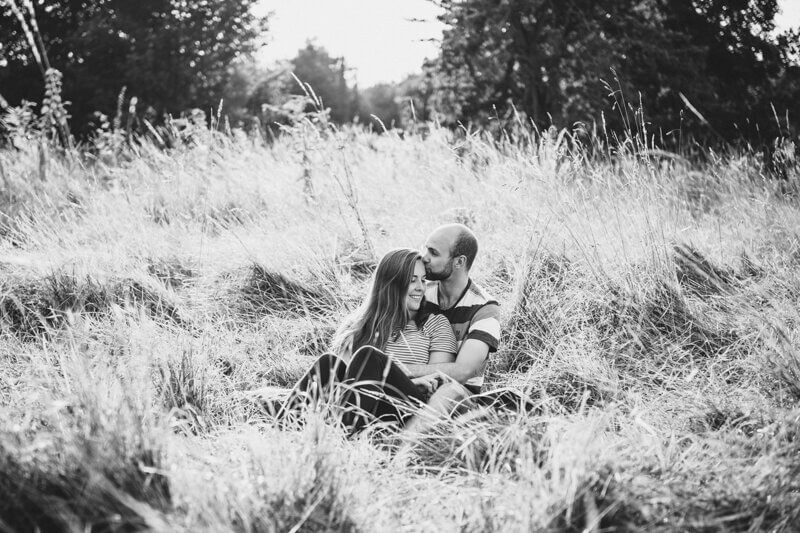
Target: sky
pixel 790 14
pixel 377 38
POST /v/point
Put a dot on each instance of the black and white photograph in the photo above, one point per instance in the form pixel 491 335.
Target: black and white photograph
pixel 407 266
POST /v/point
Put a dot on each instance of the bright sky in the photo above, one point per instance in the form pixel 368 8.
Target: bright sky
pixel 377 37
pixel 790 14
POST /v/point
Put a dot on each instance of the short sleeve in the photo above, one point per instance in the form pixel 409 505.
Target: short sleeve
pixel 485 326
pixel 441 334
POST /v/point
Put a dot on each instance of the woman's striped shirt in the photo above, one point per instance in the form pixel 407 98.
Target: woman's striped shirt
pixel 413 346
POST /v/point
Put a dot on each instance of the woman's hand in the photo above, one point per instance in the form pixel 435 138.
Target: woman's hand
pixel 431 382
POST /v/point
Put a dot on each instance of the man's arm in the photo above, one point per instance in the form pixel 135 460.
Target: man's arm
pixel 469 363
pixel 441 357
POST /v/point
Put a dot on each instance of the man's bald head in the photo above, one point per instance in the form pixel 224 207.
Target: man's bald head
pixel 461 239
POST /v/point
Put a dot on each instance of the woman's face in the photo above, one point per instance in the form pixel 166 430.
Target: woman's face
pixel 416 289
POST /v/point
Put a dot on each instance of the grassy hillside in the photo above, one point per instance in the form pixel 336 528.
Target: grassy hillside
pixel 149 299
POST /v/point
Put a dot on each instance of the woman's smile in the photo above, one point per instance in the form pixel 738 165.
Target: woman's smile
pixel 416 288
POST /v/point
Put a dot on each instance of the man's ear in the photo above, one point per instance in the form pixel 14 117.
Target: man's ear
pixel 461 261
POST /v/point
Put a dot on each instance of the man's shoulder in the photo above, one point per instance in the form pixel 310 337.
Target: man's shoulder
pixel 477 296
pixel 476 304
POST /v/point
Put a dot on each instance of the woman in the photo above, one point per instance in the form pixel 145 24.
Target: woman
pixel 390 329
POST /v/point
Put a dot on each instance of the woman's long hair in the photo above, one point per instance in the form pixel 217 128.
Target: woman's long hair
pixel 384 312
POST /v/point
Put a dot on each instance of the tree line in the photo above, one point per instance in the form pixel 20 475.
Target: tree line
pixel 712 70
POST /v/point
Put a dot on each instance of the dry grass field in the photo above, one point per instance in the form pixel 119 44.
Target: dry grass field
pixel 150 299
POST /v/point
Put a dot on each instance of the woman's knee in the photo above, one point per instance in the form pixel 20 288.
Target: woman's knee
pixel 329 367
pixel 328 360
pixel 367 363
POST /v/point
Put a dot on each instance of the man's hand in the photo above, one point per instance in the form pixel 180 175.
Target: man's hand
pixel 431 382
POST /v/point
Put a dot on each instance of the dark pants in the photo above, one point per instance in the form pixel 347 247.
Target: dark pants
pixel 371 387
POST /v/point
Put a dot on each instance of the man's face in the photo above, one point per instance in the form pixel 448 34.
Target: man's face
pixel 436 257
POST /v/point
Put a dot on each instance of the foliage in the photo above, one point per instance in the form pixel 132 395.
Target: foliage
pixel 326 76
pixel 549 59
pixel 171 54
pixel 381 102
pixel 707 70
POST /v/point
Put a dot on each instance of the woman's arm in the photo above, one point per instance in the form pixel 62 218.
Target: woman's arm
pixel 443 345
pixel 469 363
pixel 443 349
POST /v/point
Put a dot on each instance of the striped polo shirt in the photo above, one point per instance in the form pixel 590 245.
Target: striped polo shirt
pixel 413 346
pixel 474 316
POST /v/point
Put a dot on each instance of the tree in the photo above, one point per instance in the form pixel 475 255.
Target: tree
pixel 326 76
pixel 380 101
pixel 747 71
pixel 543 55
pixel 172 54
pixel 549 59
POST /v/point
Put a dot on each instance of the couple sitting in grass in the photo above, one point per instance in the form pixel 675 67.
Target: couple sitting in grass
pixel 419 343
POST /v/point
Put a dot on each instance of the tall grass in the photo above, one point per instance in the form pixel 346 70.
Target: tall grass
pixel 150 299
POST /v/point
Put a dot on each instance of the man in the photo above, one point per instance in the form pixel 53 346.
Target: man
pixel 448 257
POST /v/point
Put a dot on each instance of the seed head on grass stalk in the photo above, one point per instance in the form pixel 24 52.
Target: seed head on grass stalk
pixel 350 193
pixel 54 112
